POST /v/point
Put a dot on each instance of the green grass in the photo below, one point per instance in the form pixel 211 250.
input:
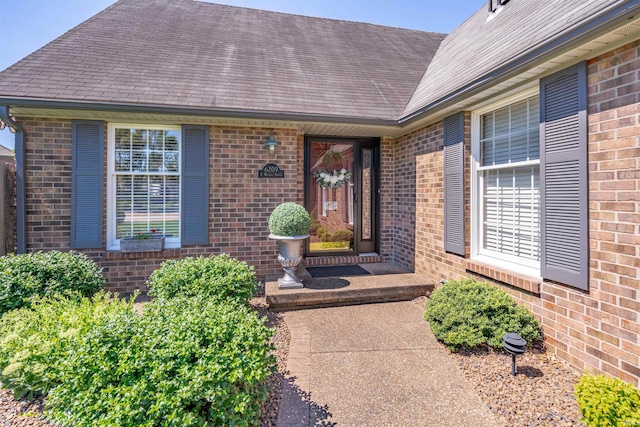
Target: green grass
pixel 330 246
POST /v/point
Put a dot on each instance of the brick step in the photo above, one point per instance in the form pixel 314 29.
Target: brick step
pixel 342 260
pixel 385 283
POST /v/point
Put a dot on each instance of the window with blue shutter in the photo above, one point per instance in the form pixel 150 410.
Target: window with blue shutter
pixel 564 175
pixel 195 185
pixel 454 184
pixel 87 184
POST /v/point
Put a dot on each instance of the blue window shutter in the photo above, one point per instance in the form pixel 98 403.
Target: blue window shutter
pixel 454 183
pixel 195 185
pixel 564 175
pixel 87 184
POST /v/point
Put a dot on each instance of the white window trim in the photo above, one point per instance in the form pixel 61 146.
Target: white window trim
pixel 113 244
pixel 477 253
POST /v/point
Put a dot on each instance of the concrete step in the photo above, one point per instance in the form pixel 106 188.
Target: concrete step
pixel 386 283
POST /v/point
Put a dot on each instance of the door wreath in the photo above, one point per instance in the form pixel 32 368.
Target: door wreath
pixel 337 178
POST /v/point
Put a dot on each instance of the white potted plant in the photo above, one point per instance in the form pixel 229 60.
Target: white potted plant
pixel 289 225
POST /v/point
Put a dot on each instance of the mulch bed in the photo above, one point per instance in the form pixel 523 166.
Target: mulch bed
pixel 540 395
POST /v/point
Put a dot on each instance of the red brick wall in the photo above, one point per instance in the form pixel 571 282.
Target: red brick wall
pixel 419 203
pixel 239 205
pixel 599 330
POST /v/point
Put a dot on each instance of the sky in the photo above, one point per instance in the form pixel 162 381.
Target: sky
pixel 27 25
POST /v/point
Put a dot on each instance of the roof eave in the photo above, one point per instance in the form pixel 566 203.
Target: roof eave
pixel 171 109
pixel 593 28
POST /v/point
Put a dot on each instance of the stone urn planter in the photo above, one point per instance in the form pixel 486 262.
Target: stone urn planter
pixel 289 224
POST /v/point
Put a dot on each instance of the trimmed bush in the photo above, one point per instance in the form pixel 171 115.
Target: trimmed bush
pixel 468 313
pixel 606 401
pixel 46 273
pixel 289 219
pixel 35 340
pixel 184 362
pixel 341 236
pixel 220 277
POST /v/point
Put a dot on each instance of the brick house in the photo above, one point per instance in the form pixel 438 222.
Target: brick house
pixel 508 149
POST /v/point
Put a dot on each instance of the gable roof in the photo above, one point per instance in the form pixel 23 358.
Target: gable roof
pixel 185 53
pixel 5 152
pixel 486 42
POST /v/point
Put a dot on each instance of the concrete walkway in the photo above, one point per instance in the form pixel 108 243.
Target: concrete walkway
pixel 373 365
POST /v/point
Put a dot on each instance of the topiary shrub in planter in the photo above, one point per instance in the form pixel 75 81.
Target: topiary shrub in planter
pixel 36 340
pixel 289 219
pixel 220 277
pixel 46 273
pixel 289 224
pixel 183 362
pixel 467 313
pixel 606 401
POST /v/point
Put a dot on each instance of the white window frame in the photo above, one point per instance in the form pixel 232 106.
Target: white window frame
pixel 519 265
pixel 113 244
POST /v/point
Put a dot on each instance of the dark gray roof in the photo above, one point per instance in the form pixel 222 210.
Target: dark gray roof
pixel 200 55
pixel 481 44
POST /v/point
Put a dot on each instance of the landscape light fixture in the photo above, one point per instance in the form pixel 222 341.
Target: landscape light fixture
pixel 514 344
pixel 271 145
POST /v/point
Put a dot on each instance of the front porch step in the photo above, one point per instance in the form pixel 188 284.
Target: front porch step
pixel 386 283
pixel 342 260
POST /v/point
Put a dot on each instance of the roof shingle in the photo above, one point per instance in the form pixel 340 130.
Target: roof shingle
pixel 481 44
pixel 187 53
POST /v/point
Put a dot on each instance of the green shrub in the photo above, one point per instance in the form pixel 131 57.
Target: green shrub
pixel 184 362
pixel 335 245
pixel 289 219
pixel 35 340
pixel 323 234
pixel 46 273
pixel 468 313
pixel 220 277
pixel 606 401
pixel 315 223
pixel 341 236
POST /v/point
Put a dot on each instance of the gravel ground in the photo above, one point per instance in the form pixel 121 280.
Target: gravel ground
pixel 281 339
pixel 541 393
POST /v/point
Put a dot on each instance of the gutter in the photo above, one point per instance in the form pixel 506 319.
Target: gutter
pixel 217 112
pixel 21 217
pixel 594 28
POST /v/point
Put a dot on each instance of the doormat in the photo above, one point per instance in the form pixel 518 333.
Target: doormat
pixel 337 271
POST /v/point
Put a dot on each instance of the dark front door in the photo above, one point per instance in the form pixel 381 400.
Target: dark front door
pixel 341 195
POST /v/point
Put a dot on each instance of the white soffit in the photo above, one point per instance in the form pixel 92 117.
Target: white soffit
pixel 307 128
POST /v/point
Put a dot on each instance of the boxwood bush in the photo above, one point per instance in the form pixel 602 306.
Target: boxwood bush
pixel 606 401
pixel 220 277
pixel 35 340
pixel 468 313
pixel 289 219
pixel 46 273
pixel 184 362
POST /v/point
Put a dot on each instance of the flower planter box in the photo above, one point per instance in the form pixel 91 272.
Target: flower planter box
pixel 152 244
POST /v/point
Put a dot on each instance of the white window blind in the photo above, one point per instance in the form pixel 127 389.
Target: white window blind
pixel 147 182
pixel 510 176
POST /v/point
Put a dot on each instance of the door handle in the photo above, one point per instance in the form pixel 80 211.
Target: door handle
pixel 355 197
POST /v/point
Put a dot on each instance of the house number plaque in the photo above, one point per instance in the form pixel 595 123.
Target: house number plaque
pixel 271 170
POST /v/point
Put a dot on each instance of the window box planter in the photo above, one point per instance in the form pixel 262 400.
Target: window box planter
pixel 152 244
